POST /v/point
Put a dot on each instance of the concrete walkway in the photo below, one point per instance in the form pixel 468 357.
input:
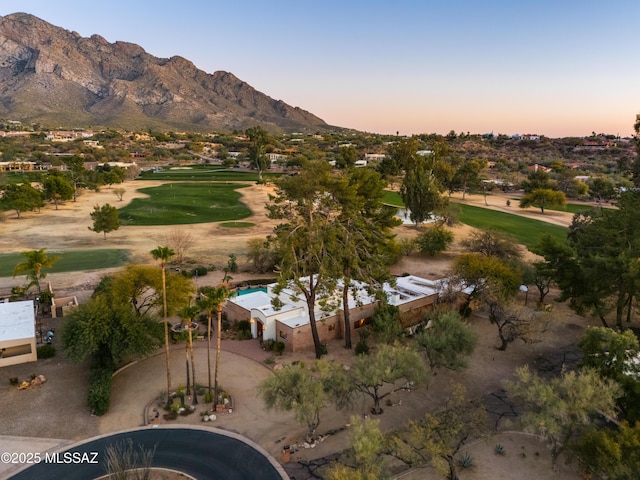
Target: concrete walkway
pixel 241 369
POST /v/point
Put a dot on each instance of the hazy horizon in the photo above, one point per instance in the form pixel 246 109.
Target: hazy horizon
pixel 550 68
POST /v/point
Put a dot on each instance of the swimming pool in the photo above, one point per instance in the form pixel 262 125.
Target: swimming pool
pixel 251 290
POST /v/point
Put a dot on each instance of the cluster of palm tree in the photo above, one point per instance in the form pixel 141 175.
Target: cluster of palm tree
pixel 209 299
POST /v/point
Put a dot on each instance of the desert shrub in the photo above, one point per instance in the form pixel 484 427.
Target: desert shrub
pixel 179 337
pixel 386 324
pixel 407 246
pixel 270 360
pixel 46 299
pixel 268 345
pixel 466 461
pixel 14 381
pixel 362 348
pixel 170 415
pixel 199 271
pixel 278 347
pixel 243 328
pixel 435 240
pixel 46 351
pixel 18 293
pixel 244 335
pixel 208 396
pixel 99 395
pixel 226 324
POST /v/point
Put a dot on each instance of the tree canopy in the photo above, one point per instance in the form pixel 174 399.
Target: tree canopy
pixel 110 331
pixel 375 375
pixel 259 138
pixel 306 391
pixel 543 198
pixel 141 287
pixel 560 408
pixel 57 188
pixel 22 197
pixel 309 205
pixel 597 269
pixel 439 437
pixel 613 355
pixel 447 340
pixel 105 219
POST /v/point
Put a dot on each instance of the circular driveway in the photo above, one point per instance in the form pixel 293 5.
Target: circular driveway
pixel 199 451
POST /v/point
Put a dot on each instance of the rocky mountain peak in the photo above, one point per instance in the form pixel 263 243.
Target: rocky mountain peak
pixel 53 76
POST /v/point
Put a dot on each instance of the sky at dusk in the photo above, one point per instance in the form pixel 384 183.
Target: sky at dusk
pixel 551 67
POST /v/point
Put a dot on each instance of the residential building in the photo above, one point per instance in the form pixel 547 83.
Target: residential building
pixel 285 317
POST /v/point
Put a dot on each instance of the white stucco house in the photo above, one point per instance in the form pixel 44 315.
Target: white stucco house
pixel 289 322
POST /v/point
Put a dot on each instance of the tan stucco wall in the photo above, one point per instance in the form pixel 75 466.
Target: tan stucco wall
pixel 300 338
pixel 18 351
pixel 236 312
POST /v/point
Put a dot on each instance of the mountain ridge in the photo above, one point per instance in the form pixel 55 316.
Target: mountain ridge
pixel 55 76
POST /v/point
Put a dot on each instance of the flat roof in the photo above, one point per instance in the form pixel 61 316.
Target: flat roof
pixel 17 320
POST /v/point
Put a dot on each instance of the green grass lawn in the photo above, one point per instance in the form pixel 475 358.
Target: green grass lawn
pixel 392 198
pixel 573 208
pixel 72 261
pixel 204 173
pixel 527 231
pixel 185 203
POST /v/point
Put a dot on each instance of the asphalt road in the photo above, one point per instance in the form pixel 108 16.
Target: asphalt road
pixel 203 454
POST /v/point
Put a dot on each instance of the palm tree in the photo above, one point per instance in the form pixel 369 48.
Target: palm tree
pixel 212 298
pixel 163 254
pixel 36 260
pixel 188 314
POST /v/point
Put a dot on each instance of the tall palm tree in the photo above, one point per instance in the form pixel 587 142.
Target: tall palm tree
pixel 187 314
pixel 163 254
pixel 212 298
pixel 36 260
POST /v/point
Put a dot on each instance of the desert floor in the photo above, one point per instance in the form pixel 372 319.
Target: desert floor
pixel 63 414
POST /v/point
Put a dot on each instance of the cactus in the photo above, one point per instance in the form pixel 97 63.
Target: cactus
pixel 466 461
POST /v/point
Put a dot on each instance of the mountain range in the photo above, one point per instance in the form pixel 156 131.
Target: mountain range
pixel 57 78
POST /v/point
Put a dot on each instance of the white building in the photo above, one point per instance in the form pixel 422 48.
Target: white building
pixel 17 333
pixel 289 322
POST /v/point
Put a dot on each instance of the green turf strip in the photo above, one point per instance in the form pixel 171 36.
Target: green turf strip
pixel 70 261
pixel 185 203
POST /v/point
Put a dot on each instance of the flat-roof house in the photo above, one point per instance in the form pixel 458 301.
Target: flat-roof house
pixel 288 320
pixel 18 166
pixel 17 333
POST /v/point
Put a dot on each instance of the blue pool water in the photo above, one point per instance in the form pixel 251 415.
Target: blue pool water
pixel 251 290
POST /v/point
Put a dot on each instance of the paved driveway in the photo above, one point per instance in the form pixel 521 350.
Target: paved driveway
pixel 199 452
